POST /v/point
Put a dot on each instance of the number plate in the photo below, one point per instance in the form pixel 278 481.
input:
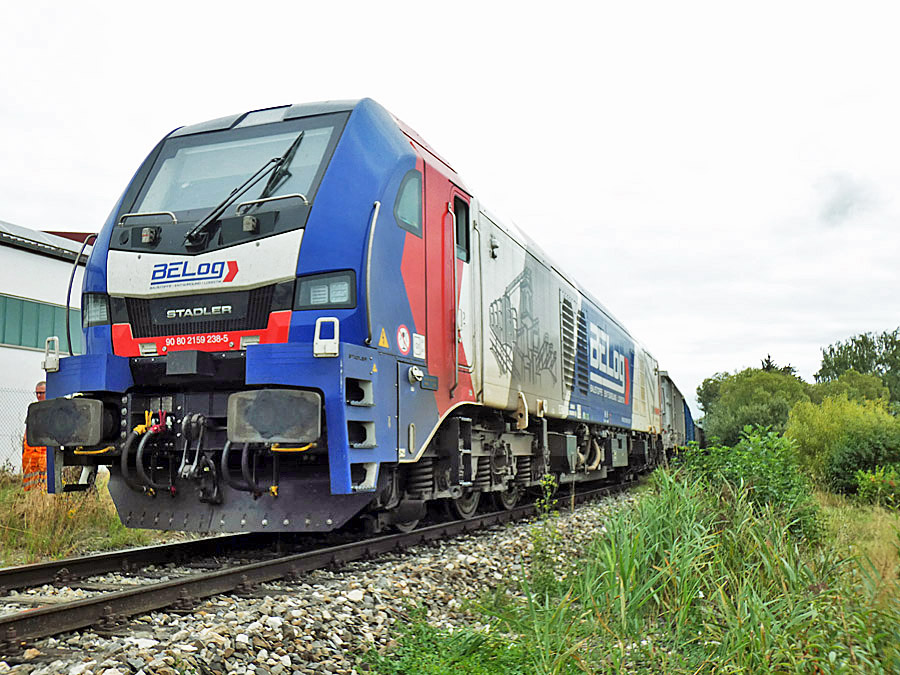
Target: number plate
pixel 222 339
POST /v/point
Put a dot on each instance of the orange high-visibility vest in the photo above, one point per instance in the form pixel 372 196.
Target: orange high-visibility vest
pixel 34 466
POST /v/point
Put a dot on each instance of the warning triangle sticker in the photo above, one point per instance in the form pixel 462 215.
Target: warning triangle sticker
pixel 382 341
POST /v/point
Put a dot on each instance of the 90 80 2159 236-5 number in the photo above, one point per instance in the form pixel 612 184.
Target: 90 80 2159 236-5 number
pixel 183 340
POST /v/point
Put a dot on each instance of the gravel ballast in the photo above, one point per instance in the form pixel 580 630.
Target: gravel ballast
pixel 320 623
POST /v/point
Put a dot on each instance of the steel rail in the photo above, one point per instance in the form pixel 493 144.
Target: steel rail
pixel 38 574
pixel 50 620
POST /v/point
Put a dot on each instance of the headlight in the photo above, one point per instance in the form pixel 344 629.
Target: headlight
pixel 94 309
pixel 334 290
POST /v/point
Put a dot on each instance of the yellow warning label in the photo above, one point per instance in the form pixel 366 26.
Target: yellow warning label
pixel 374 368
pixel 382 341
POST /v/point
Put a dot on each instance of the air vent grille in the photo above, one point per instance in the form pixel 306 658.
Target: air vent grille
pixel 567 323
pixel 581 352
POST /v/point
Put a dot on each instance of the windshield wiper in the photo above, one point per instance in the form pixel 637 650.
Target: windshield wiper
pixel 281 172
pixel 198 233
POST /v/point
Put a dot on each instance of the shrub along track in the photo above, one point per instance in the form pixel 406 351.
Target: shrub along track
pixel 109 610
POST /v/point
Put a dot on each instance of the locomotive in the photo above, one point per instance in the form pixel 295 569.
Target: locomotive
pixel 299 315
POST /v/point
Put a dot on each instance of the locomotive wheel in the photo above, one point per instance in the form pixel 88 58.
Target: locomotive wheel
pixel 507 499
pixel 408 526
pixel 465 506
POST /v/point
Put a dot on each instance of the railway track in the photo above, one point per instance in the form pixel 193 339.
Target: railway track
pixel 110 609
pixel 71 569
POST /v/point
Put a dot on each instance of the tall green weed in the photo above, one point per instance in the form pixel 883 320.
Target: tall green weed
pixel 546 538
pixel 701 577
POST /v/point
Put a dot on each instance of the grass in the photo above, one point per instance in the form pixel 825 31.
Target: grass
pixel 426 650
pixel 35 525
pixel 869 532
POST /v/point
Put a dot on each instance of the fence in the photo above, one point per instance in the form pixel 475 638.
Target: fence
pixel 13 408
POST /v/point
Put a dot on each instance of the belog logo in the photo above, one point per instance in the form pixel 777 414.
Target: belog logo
pixel 180 272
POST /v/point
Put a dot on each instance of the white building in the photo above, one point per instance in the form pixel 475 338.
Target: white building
pixel 34 276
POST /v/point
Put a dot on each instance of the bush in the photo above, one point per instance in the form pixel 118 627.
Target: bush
pixel 860 450
pixel 840 437
pixel 880 487
pixel 765 465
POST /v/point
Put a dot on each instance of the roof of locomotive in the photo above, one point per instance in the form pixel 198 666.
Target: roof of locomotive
pixel 266 115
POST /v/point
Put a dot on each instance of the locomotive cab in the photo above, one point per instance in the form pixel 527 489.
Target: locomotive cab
pixel 249 309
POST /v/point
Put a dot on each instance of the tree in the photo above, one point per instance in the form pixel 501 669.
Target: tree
pixel 752 396
pixel 708 391
pixel 768 365
pixel 855 386
pixel 867 353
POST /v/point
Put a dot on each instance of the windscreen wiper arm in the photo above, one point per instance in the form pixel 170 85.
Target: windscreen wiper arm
pixel 194 236
pixel 197 232
pixel 281 172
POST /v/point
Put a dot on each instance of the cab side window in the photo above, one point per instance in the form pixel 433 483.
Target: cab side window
pixel 461 213
pixel 408 206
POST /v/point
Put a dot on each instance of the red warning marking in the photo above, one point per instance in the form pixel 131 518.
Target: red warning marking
pixel 403 341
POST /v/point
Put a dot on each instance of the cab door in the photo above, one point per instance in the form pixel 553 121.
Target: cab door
pixel 468 278
pixel 452 321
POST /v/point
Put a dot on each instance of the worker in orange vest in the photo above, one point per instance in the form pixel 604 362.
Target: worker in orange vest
pixel 34 458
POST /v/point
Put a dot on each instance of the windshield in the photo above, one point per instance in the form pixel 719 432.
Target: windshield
pixel 195 173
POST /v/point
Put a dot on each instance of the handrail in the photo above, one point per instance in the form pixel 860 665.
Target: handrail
pixel 377 206
pixel 84 245
pixel 148 213
pixel 455 303
pixel 295 195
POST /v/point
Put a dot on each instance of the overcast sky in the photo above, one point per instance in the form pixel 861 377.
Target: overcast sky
pixel 723 176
